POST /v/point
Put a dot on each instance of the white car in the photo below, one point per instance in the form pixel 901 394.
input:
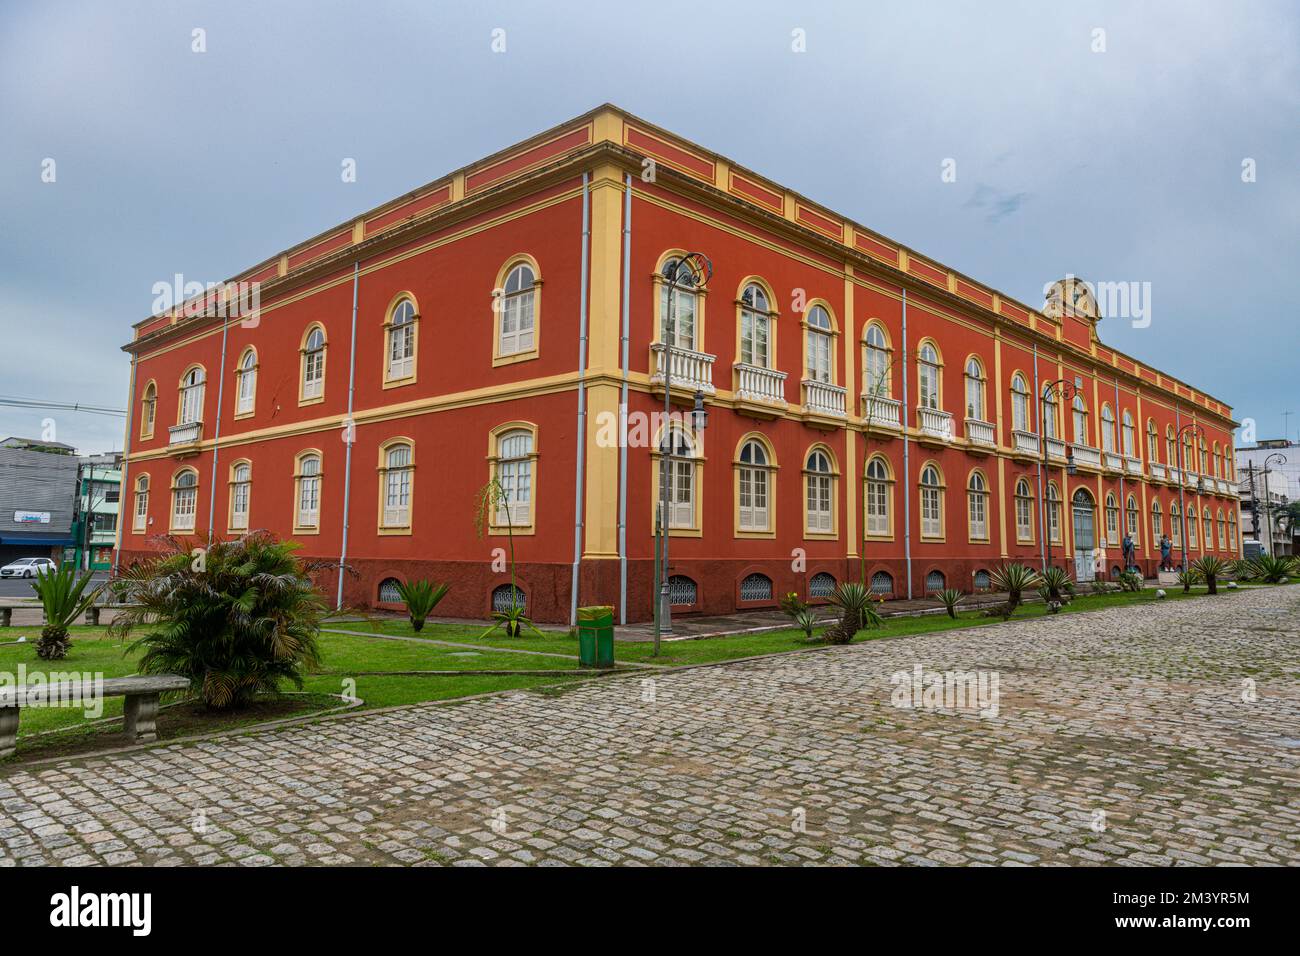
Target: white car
pixel 27 568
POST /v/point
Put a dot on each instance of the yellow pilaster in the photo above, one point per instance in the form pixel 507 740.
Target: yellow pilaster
pixel 1000 439
pixel 852 490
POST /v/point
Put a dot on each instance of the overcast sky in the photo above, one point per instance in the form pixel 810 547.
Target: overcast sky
pixel 1122 165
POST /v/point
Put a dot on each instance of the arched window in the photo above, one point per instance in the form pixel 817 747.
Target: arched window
pixel 753 478
pixel 680 307
pixel 982 580
pixel 875 367
pixel 312 388
pixel 977 507
pixel 1175 524
pixel 185 499
pixel 1171 447
pixel 1205 457
pixel 397 480
pixel 755 327
pixel 756 587
pixel 1053 513
pixel 1207 528
pixel 680 467
pixel 401 333
pixel 935 581
pixel 390 591
pixel 1157 522
pixel 682 591
pixel 1112 520
pixel 819 478
pixel 1107 429
pixel 307 493
pixel 518 312
pixel 514 474
pixel 878 497
pixel 1191 528
pixel 148 411
pixel 1232 531
pixel 882 584
pixel 821 585
pixel 931 502
pixel 1223 530
pixel 1128 435
pixel 928 375
pixel 1024 512
pixel 1189 452
pixel 246 383
pixel 507 596
pixel 820 341
pixel 1080 421
pixel 975 389
pixel 1049 413
pixel 1019 403
pixel 1214 463
pixel 1153 441
pixel 241 488
pixel 191 404
pixel 140 518
pixel 1132 512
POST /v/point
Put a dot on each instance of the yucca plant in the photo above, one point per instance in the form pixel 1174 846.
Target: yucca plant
pixel 238 618
pixel 1015 579
pixel 950 597
pixel 1057 584
pixel 1189 579
pixel 857 610
pixel 63 596
pixel 1270 569
pixel 806 621
pixel 1243 570
pixel 1211 568
pixel 1130 581
pixel 421 597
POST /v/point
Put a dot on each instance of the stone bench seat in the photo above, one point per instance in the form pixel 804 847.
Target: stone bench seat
pixel 91 616
pixel 140 710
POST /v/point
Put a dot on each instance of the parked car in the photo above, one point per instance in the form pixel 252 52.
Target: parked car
pixel 27 568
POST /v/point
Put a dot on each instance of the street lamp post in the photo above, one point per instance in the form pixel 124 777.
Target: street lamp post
pixel 693 270
pixel 1182 481
pixel 1064 390
pixel 1280 459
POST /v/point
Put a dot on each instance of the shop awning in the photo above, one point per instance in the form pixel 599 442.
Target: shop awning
pixel 49 539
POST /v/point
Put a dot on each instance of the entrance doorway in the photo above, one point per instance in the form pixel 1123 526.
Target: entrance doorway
pixel 1085 539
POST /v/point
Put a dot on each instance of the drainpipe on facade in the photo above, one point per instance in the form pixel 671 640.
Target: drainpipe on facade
pixel 126 461
pixel 1119 445
pixel 622 402
pixel 907 472
pixel 349 432
pixel 582 404
pixel 1043 530
pixel 216 434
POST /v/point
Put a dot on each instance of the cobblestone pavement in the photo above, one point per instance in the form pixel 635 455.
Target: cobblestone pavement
pixel 1122 736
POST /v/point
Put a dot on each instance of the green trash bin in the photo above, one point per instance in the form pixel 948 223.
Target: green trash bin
pixel 596 636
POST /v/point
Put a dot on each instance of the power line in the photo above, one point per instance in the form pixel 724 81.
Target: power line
pixel 62 406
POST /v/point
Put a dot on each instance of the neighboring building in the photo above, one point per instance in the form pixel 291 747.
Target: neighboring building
pixel 38 487
pixel 1265 493
pixel 871 410
pixel 99 496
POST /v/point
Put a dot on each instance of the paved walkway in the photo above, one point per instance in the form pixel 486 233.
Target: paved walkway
pixel 1166 733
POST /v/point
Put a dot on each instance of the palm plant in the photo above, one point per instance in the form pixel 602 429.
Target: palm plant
pixel 1243 570
pixel 1015 579
pixel 1189 579
pixel 1211 569
pixel 237 620
pixel 1057 584
pixel 1130 581
pixel 421 597
pixel 492 499
pixel 1270 569
pixel 63 596
pixel 950 597
pixel 806 620
pixel 857 610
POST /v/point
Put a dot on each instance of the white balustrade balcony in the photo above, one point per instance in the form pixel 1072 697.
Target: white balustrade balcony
pixel 980 433
pixel 1133 465
pixel 690 370
pixel 880 412
pixel 757 384
pixel 1158 471
pixel 1056 449
pixel 186 434
pixel 1025 442
pixel 934 422
pixel 821 398
pixel 1174 476
pixel 1086 455
pixel 1112 461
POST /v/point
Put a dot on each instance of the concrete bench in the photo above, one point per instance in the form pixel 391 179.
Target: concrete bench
pixel 140 711
pixel 92 612
pixel 91 615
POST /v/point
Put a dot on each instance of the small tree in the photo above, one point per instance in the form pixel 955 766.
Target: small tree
pixel 491 498
pixel 857 610
pixel 63 597
pixel 950 597
pixel 421 597
pixel 1015 579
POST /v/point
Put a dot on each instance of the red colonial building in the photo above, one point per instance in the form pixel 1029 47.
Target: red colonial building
pixel 871 411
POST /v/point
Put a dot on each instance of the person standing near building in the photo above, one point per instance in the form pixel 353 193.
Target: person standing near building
pixel 1166 549
pixel 1130 561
